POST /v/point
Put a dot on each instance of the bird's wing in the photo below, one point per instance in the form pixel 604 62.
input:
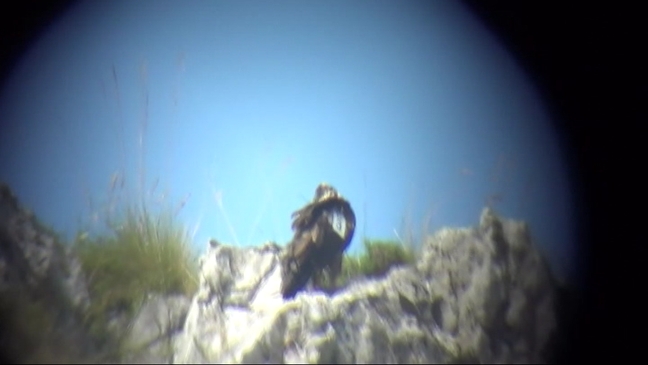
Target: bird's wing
pixel 303 217
pixel 350 220
pixel 310 226
pixel 305 242
pixel 297 265
pixel 334 267
pixel 306 217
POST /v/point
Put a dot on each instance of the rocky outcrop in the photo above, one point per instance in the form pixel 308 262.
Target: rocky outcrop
pixel 481 294
pixel 42 291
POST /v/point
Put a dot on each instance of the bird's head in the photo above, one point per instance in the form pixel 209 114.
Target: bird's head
pixel 325 191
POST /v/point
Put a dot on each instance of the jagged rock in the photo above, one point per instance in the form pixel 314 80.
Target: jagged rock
pixel 42 290
pixel 481 294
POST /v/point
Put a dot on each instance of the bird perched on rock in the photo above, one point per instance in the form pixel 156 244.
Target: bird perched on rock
pixel 323 230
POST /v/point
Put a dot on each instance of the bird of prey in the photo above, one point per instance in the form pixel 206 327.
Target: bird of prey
pixel 323 230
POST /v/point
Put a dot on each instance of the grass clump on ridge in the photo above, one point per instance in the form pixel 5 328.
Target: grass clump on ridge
pixel 377 258
pixel 144 251
pixel 143 254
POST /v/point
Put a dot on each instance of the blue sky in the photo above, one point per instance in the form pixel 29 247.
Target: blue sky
pixel 407 108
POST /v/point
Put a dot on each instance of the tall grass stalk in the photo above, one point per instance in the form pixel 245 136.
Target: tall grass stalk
pixel 144 248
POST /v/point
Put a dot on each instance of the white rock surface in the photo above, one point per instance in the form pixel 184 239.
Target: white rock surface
pixel 482 294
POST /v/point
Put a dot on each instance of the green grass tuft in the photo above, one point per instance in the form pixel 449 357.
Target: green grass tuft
pixel 382 255
pixel 145 254
pixel 377 258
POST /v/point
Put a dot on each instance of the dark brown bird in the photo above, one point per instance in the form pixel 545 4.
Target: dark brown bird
pixel 323 230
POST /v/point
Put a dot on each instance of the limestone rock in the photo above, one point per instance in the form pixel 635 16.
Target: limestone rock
pixel 479 294
pixel 154 329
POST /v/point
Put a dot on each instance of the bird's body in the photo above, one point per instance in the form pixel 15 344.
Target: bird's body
pixel 323 229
